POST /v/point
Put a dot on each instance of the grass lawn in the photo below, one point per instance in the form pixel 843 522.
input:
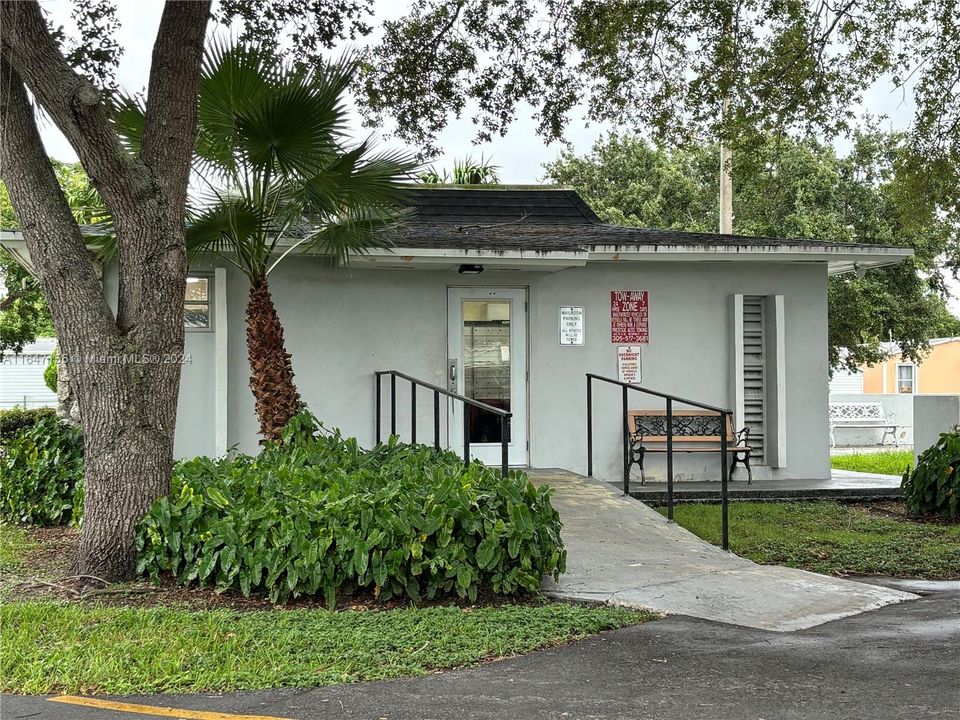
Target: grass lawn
pixel 890 462
pixel 167 638
pixel 15 544
pixel 50 647
pixel 832 538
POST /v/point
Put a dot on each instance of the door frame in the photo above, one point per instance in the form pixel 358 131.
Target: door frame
pixel 454 427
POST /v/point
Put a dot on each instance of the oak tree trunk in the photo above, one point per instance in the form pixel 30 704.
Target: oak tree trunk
pixel 271 372
pixel 124 366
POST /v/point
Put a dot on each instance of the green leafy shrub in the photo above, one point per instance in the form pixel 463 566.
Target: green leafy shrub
pixel 934 486
pixel 317 514
pixel 50 372
pixel 43 474
pixel 16 419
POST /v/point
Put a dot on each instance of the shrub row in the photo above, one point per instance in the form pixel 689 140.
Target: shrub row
pixel 316 513
pixel 42 471
pixel 14 420
pixel 934 485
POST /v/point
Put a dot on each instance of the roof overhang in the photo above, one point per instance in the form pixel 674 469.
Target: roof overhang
pixel 839 258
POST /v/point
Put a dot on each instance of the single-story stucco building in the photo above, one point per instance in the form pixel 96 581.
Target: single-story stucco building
pixel 511 296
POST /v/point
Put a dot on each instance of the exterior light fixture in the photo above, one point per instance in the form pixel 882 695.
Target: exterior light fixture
pixel 470 269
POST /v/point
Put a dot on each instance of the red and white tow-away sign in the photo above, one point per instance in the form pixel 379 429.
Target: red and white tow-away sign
pixel 629 321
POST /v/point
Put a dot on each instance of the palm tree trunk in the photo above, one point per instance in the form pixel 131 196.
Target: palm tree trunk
pixel 271 372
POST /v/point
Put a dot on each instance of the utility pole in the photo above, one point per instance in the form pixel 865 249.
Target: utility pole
pixel 726 184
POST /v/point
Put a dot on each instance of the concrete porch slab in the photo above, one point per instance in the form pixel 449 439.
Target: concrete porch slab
pixel 620 551
pixel 841 485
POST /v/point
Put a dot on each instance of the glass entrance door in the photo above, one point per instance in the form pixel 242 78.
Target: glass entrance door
pixel 487 344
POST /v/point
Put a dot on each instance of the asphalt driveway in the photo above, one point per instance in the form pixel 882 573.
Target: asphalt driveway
pixel 899 662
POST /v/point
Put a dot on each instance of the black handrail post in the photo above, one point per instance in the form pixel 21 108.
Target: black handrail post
pixel 413 413
pixel 393 404
pixel 378 408
pixel 724 500
pixel 467 403
pixel 626 444
pixel 589 426
pixel 670 459
pixel 436 420
pixel 504 447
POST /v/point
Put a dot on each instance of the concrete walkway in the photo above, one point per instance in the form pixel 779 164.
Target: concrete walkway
pixel 622 552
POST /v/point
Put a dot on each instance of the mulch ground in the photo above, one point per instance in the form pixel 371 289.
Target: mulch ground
pixel 45 575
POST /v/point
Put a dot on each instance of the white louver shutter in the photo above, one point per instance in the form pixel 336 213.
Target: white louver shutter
pixel 754 375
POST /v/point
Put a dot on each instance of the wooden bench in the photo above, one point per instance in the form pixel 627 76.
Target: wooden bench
pixel 862 415
pixel 689 426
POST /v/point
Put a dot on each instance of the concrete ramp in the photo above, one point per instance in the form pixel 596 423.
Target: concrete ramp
pixel 620 551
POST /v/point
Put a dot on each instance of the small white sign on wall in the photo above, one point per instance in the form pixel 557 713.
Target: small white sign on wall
pixel 571 325
pixel 628 364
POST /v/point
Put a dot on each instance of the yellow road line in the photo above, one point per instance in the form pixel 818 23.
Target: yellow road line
pixel 157 711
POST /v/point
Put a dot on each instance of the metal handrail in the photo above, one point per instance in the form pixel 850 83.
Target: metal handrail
pixel 437 391
pixel 626 387
pixel 660 394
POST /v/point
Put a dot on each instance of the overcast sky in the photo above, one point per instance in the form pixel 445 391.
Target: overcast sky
pixel 520 155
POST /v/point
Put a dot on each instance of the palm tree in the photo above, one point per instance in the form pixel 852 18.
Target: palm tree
pixel 465 172
pixel 279 176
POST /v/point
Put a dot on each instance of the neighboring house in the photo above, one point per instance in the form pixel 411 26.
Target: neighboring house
pixel 846 381
pixel 507 295
pixel 937 373
pixel 21 376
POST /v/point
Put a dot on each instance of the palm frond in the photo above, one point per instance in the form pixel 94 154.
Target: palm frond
pixel 275 136
pixel 128 115
pixel 233 77
pixel 229 225
pixel 353 233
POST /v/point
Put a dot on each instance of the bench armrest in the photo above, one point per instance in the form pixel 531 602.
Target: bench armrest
pixel 743 436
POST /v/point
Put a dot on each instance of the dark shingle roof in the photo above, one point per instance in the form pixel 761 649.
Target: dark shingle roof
pixel 539 219
pixel 465 206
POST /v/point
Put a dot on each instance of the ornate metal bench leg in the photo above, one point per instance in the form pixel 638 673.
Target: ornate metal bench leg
pixel 746 461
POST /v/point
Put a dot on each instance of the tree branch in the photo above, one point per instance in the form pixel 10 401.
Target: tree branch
pixel 11 298
pixel 71 100
pixel 171 114
pixel 57 250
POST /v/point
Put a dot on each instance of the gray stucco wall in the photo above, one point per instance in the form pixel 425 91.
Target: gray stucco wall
pixel 343 325
pixel 933 414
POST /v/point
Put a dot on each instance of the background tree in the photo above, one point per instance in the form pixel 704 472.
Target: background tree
pixel 803 190
pixel 799 66
pixel 24 315
pixel 667 70
pixel 23 312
